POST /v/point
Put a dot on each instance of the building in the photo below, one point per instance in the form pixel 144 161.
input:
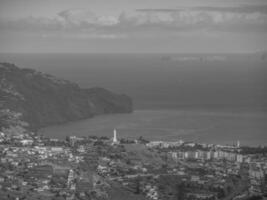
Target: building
pixel 207 155
pixel 26 142
pixel 239 158
pixel 70 177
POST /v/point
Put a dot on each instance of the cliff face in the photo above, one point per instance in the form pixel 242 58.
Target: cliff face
pixel 45 100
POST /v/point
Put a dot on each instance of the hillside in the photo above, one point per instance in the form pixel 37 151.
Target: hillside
pixel 45 100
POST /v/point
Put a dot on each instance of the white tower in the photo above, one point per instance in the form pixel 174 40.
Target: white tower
pixel 238 144
pixel 115 140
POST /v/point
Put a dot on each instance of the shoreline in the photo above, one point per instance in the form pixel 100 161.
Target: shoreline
pixel 175 125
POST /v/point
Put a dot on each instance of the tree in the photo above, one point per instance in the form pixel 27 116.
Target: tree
pixel 3 119
pixel 180 191
pixel 137 185
pixel 10 122
pixel 255 198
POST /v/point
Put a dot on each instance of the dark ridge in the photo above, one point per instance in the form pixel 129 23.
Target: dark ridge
pixel 45 100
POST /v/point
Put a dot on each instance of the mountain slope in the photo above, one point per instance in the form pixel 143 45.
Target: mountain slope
pixel 45 100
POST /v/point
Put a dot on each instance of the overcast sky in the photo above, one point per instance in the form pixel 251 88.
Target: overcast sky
pixel 133 26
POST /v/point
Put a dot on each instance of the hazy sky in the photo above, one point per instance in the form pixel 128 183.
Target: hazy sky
pixel 133 26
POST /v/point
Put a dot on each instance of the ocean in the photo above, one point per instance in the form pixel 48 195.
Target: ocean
pixel 196 97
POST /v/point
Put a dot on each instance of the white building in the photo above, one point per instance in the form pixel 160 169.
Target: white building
pixel 26 142
pixel 239 158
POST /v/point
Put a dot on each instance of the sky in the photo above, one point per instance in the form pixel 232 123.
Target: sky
pixel 133 26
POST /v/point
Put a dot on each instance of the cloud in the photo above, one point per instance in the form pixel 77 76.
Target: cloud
pixel 85 18
pixel 237 9
pixel 147 21
pixel 234 9
pixel 252 18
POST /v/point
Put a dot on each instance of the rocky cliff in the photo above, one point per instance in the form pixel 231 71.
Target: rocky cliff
pixel 45 100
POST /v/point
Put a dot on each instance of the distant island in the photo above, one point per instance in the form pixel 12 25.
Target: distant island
pixel 39 99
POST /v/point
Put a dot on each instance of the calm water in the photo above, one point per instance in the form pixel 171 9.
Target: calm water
pixel 210 98
pixel 169 125
pixel 230 82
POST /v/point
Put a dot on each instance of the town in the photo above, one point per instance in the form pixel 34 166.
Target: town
pixel 36 167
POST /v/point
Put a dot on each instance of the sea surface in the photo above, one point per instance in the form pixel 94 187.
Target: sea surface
pixel 198 97
pixel 171 125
